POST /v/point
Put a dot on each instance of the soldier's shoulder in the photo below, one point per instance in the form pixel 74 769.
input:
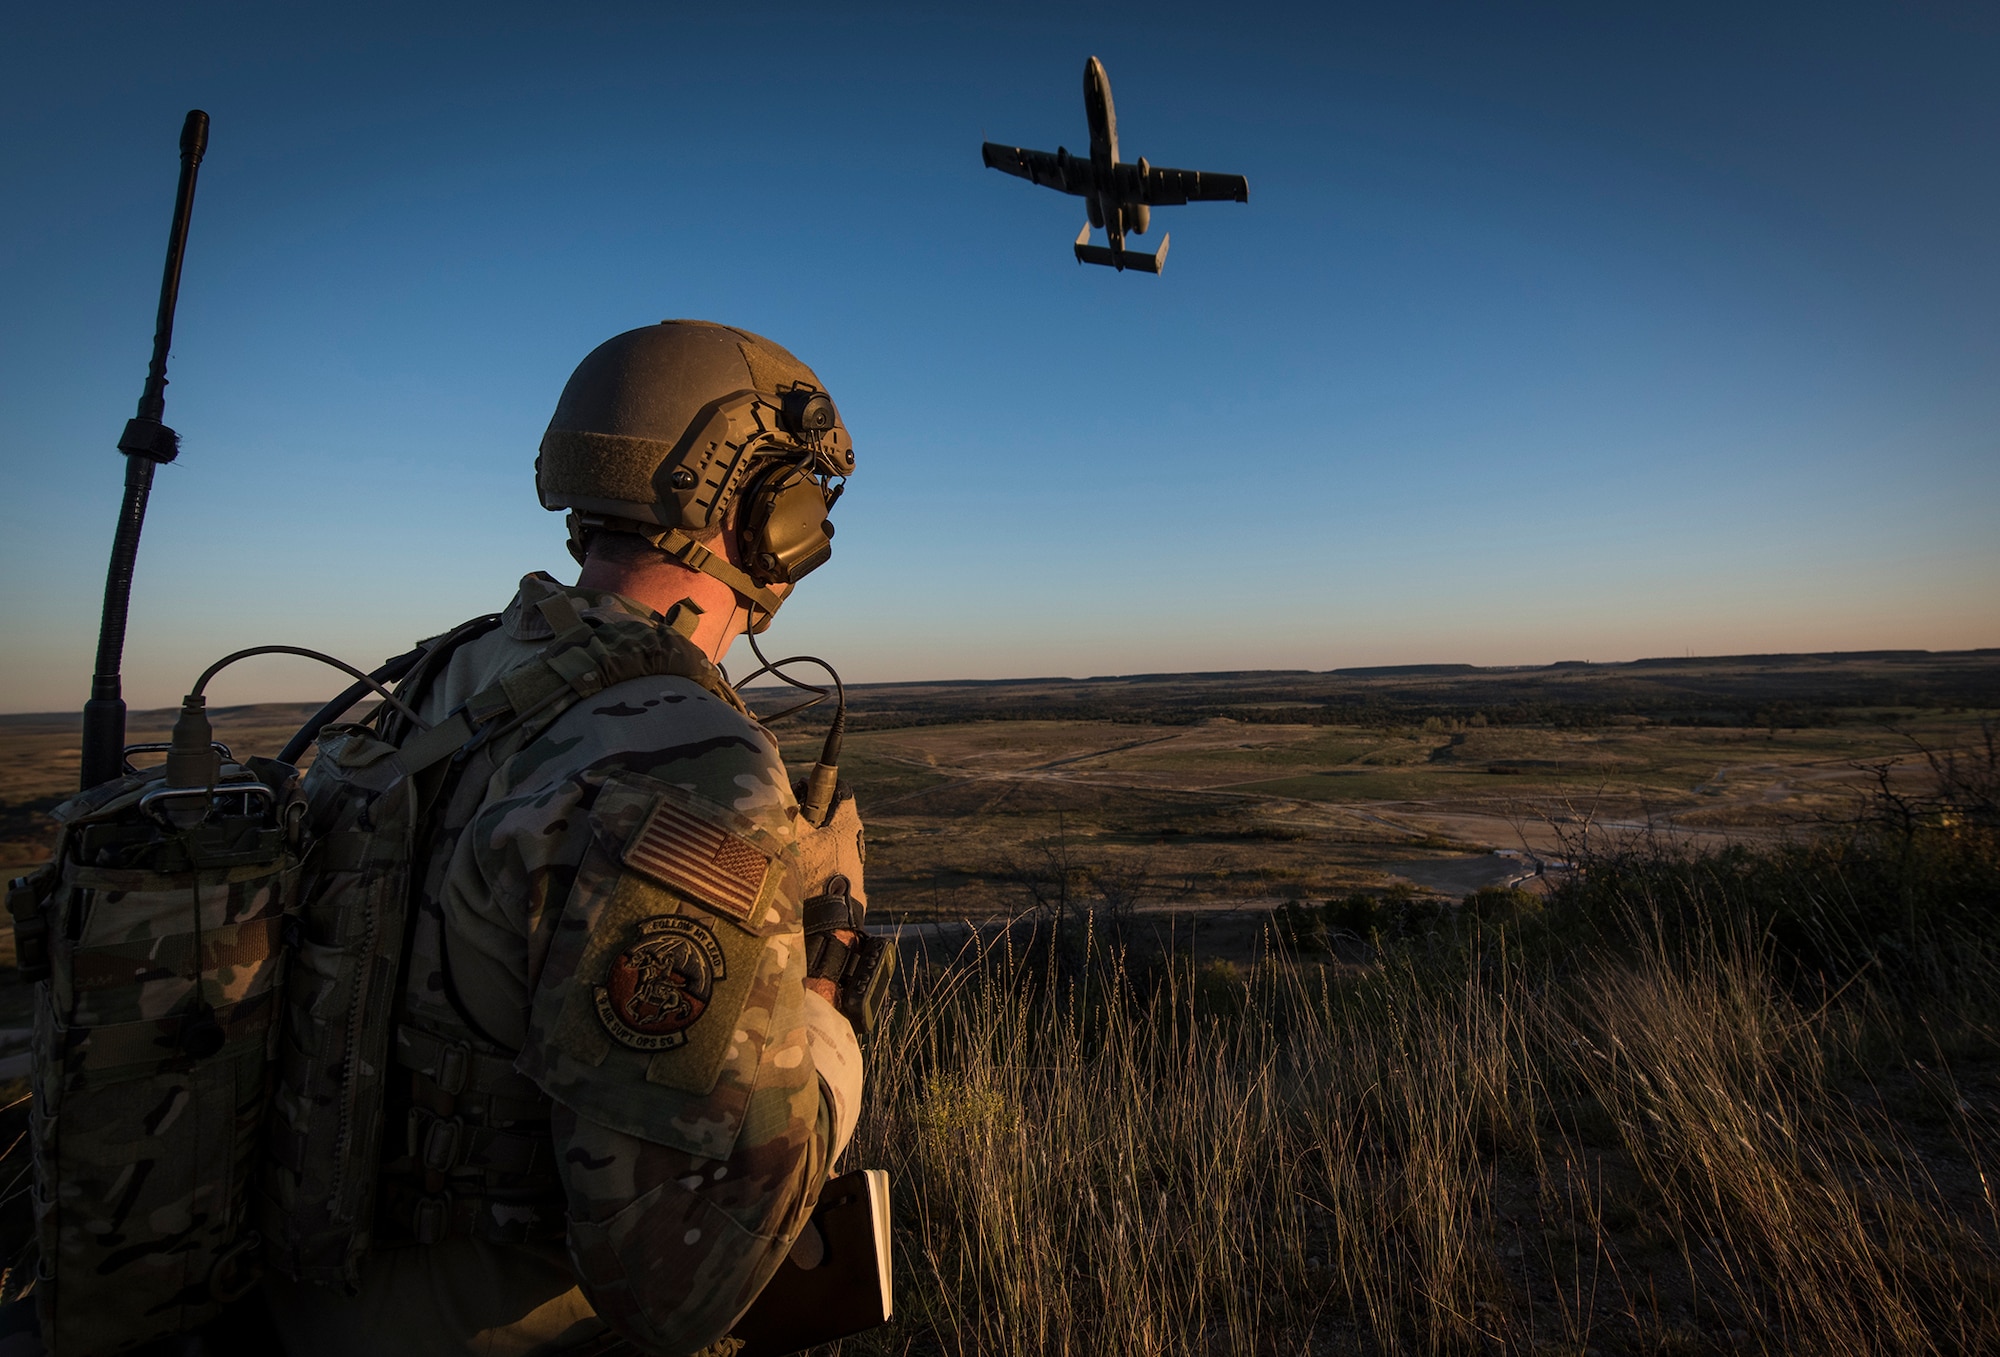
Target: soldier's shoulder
pixel 669 730
pixel 677 969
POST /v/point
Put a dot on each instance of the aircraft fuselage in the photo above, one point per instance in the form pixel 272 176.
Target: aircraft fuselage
pixel 1103 205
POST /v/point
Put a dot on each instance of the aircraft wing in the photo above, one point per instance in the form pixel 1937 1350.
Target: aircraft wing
pixel 1171 188
pixel 1065 174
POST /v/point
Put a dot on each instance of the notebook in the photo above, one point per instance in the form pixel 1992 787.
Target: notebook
pixel 836 1282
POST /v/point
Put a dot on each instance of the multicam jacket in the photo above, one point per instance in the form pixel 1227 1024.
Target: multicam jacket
pixel 607 1035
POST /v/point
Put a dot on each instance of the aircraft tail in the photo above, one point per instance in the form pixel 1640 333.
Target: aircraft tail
pixel 1086 253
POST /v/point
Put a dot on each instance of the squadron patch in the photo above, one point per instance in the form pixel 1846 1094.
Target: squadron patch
pixel 722 870
pixel 661 984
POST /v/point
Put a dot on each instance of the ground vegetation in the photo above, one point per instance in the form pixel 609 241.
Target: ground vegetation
pixel 1690 1100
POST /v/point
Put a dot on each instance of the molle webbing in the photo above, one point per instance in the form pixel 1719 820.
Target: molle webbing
pixel 476 1156
pixel 582 662
pixel 326 1115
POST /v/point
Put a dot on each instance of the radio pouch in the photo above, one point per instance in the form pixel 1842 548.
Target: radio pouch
pixel 156 934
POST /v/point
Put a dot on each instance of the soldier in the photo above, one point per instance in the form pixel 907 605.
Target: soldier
pixel 621 1084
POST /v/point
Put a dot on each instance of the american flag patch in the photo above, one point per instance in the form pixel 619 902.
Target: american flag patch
pixel 720 869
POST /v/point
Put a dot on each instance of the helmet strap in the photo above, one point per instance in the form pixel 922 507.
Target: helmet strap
pixel 675 542
pixel 761 602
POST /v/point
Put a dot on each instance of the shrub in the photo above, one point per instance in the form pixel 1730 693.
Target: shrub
pixel 1220 990
pixel 1356 914
pixel 1499 905
pixel 1907 894
pixel 1301 926
pixel 1908 913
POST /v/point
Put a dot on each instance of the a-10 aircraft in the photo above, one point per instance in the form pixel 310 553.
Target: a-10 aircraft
pixel 1118 197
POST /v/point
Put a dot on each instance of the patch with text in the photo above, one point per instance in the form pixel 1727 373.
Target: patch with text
pixel 661 984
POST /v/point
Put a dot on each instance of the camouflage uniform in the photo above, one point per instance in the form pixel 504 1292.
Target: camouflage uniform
pixel 688 1150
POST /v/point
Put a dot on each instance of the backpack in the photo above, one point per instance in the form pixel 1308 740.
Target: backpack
pixel 209 1082
pixel 159 931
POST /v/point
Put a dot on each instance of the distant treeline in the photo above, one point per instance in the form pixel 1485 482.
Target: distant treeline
pixel 1764 692
pixel 1386 715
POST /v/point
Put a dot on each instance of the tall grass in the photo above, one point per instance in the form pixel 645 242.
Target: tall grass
pixel 1803 1217
pixel 1652 1143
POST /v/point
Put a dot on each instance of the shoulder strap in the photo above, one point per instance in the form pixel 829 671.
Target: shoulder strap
pixel 583 661
pixel 436 654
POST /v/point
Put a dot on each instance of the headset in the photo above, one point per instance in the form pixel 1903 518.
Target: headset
pixel 786 457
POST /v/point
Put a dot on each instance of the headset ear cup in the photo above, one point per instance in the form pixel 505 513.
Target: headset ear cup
pixel 785 532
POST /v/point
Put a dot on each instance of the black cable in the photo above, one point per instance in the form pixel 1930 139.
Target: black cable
pixel 806 705
pixel 775 668
pixel 438 653
pixel 351 694
pixel 418 666
pixel 822 786
pixel 342 665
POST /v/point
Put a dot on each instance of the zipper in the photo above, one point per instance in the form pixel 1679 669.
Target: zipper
pixel 365 978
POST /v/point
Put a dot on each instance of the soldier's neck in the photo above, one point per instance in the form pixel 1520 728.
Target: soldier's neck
pixel 660 583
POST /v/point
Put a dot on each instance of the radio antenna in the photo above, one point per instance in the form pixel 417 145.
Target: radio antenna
pixel 146 443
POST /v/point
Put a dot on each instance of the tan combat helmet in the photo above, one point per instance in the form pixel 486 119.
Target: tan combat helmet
pixel 662 430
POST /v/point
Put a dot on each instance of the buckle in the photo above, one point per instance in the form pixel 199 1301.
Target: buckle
pixel 864 989
pixel 430 1222
pixel 434 1141
pixel 31 925
pixel 31 946
pixel 827 958
pixel 832 909
pixel 442 1141
pixel 454 1062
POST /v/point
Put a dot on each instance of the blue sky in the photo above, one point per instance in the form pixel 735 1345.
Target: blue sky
pixel 1550 332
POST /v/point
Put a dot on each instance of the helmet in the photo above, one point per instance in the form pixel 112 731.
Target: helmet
pixel 661 431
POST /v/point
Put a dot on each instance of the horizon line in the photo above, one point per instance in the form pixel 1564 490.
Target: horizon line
pixel 1358 671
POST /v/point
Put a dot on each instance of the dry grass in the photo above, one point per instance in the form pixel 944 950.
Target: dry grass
pixel 1647 1150
pixel 1810 1221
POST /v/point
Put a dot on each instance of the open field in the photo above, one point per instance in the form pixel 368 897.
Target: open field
pixel 1223 795
pixel 1221 813
pixel 1227 790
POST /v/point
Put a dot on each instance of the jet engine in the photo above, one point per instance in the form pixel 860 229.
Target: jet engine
pixel 1137 217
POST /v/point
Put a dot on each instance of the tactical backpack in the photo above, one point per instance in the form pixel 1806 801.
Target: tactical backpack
pixel 220 979
pixel 158 930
